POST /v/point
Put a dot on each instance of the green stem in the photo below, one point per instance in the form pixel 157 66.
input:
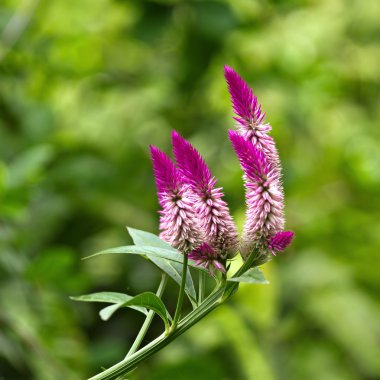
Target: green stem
pixel 125 366
pixel 247 264
pixel 232 286
pixel 216 298
pixel 148 319
pixel 202 286
pixel 181 294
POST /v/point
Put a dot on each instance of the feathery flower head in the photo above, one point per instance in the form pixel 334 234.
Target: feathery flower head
pixel 206 257
pixel 264 197
pixel 168 178
pixel 280 241
pixel 192 165
pixel 244 101
pixel 178 223
pixel 213 213
pixel 193 211
pixel 252 160
pixel 250 116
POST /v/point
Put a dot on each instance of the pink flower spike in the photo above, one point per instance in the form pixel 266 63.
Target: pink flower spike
pixel 280 241
pixel 252 160
pixel 250 117
pixel 192 165
pixel 264 196
pixel 206 257
pixel 243 100
pixel 213 213
pixel 178 223
pixel 167 176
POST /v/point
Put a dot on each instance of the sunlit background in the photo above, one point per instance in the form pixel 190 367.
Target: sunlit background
pixel 86 86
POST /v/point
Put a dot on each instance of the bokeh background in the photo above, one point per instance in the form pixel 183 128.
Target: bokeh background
pixel 86 86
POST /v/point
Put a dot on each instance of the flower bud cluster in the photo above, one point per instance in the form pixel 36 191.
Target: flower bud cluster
pixel 195 219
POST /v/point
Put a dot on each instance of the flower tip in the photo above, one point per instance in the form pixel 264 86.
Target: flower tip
pixel 232 77
pixel 239 143
pixel 157 155
pixel 288 237
pixel 228 69
pixel 175 134
pixel 280 241
pixel 291 235
pixel 178 142
pixel 229 72
pixel 153 150
pixel 232 134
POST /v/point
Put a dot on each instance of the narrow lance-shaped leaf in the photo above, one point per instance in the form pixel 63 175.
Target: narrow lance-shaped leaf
pixel 148 300
pixel 251 276
pixel 148 239
pixel 142 250
pixel 174 270
pixel 171 268
pixel 109 297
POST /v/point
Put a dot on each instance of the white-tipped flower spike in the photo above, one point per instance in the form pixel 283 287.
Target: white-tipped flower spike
pixel 206 257
pixel 178 222
pixel 264 197
pixel 213 213
pixel 280 241
pixel 250 117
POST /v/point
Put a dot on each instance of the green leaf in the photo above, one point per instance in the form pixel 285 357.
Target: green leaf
pixel 172 269
pixel 159 249
pixel 143 238
pixel 251 276
pixel 109 297
pixel 148 239
pixel 143 250
pixel 144 300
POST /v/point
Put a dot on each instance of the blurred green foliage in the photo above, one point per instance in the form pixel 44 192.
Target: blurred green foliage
pixel 85 86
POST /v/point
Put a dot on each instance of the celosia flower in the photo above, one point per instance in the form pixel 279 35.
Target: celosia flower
pixel 206 257
pixel 264 197
pixel 250 117
pixel 178 223
pixel 213 214
pixel 280 241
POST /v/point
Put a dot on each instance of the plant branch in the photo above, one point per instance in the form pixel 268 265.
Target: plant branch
pixel 149 318
pixel 202 286
pixel 163 340
pixel 178 309
pixel 216 298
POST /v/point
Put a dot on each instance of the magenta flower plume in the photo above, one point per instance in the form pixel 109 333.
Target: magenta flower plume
pixel 280 241
pixel 253 161
pixel 264 197
pixel 206 257
pixel 178 223
pixel 244 102
pixel 213 213
pixel 250 116
pixel 192 165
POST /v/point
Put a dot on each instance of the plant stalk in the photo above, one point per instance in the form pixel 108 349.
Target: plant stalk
pixel 216 298
pixel 181 294
pixel 132 361
pixel 148 319
pixel 202 286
